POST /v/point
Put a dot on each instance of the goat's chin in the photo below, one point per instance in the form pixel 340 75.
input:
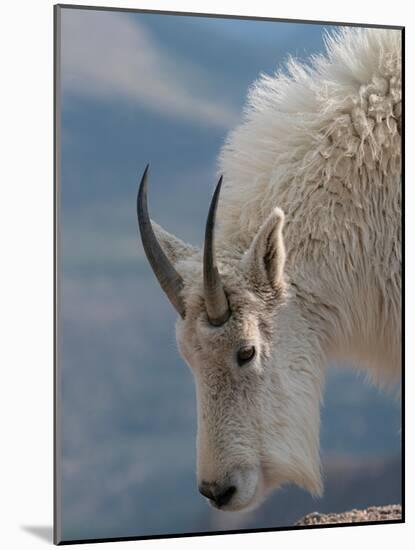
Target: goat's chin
pixel 306 477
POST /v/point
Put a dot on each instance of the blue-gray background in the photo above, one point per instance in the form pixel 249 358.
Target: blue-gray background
pixel 166 89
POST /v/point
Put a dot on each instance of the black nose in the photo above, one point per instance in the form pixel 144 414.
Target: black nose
pixel 219 494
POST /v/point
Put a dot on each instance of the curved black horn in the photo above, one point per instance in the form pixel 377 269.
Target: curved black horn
pixel 170 281
pixel 217 305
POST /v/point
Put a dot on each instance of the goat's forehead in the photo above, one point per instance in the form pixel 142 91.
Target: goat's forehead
pixel 247 311
pixel 241 295
pixel 242 326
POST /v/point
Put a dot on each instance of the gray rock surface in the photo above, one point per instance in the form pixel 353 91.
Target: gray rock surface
pixel 374 513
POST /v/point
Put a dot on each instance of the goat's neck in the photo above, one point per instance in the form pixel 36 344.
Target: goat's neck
pixel 344 314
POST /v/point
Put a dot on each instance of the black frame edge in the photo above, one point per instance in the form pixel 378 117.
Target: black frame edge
pixel 227 16
pixel 231 532
pixel 56 204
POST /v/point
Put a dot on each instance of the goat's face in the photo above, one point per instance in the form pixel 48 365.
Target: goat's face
pixel 244 340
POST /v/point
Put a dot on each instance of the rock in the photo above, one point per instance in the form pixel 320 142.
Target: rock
pixel 374 513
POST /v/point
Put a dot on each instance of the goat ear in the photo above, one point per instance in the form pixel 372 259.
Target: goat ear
pixel 265 258
pixel 174 248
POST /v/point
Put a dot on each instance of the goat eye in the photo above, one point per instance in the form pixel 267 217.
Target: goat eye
pixel 245 354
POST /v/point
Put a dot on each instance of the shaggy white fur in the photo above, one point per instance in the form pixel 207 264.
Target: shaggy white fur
pixel 321 144
pixel 322 141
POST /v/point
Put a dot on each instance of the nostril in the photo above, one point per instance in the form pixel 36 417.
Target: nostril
pixel 219 495
pixel 225 496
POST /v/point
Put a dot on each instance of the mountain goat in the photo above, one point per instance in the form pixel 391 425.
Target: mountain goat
pixel 301 266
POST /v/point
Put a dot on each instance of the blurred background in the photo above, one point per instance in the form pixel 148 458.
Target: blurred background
pixel 165 89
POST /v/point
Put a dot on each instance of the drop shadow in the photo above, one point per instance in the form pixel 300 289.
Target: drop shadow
pixel 44 532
